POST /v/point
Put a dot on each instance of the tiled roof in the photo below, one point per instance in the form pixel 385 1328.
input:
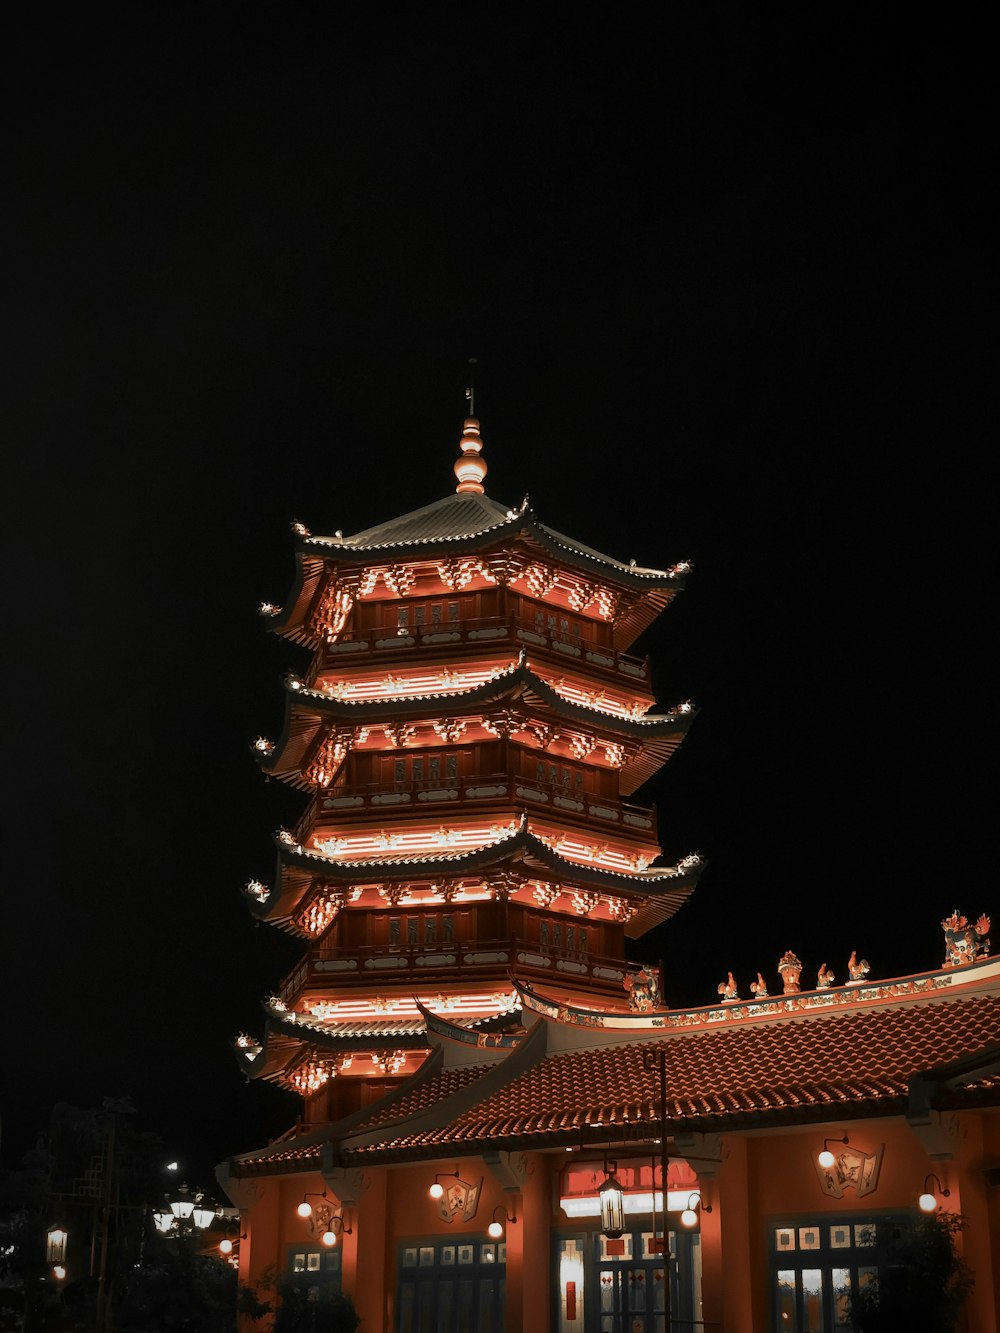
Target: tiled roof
pixel 425 1094
pixel 468 517
pixel 511 681
pixel 299 1157
pixel 778 1070
pixel 450 519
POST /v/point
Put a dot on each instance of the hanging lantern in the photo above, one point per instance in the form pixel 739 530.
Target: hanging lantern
pixel 55 1245
pixel 612 1206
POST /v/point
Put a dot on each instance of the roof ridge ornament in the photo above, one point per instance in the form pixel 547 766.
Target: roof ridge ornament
pixel 470 469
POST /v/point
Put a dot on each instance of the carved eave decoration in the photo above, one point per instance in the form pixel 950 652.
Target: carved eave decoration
pixel 512 543
pixel 516 702
pixel 640 899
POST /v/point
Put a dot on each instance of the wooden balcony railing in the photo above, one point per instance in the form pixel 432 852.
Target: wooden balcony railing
pixel 491 959
pixel 469 792
pixel 481 632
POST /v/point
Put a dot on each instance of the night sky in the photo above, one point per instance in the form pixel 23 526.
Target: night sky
pixel 724 283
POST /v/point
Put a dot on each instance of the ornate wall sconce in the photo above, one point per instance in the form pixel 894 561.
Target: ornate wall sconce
pixel 689 1214
pixel 826 1158
pixel 336 1227
pixel 928 1201
pixel 496 1228
pixel 324 1218
pixel 436 1190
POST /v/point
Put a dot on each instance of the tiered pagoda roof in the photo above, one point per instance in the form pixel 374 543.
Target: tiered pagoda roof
pixel 899 1047
pixel 521 659
pixel 466 523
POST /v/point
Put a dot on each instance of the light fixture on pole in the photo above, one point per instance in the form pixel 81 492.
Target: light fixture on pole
pixel 185 1213
pixel 495 1230
pixel 927 1203
pixel 655 1057
pixel 826 1158
pixel 612 1198
pixel 55 1245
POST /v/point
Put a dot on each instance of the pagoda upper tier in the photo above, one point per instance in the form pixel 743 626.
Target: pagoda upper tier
pixel 466 542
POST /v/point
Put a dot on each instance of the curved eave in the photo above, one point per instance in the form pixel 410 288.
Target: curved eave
pixel 659 733
pixel 522 525
pixel 406 1035
pixel 664 891
pixel 489 1033
pixel 291 620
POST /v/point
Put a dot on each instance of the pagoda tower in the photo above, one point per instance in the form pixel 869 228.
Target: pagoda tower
pixel 466 735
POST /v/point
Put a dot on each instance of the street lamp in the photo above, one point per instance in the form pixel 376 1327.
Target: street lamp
pixel 184 1213
pixel 55 1245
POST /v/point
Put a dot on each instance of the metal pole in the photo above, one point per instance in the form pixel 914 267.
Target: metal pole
pixel 652 1059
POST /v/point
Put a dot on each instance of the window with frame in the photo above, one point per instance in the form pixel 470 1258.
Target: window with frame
pixel 428 615
pixel 451 1286
pixel 817 1267
pixel 316 1269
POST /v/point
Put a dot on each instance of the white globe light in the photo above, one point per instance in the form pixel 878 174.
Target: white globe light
pixel 495 1229
pixel 304 1209
pixel 329 1238
pixel 826 1159
pixel 436 1191
pixel 927 1203
pixel 689 1218
pixel 226 1246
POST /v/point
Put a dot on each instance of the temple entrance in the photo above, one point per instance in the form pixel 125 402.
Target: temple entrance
pixel 620 1286
pixel 451 1286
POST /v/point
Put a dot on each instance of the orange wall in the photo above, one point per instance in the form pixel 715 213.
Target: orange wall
pixel 764 1180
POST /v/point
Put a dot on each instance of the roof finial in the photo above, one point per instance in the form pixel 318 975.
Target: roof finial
pixel 470 469
pixel 470 392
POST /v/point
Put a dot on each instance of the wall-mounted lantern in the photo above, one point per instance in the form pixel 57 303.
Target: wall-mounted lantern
pixel 928 1201
pixel 826 1158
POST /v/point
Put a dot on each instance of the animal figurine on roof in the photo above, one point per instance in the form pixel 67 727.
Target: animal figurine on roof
pixel 644 989
pixel 759 988
pixel 857 969
pixel 824 978
pixel 790 968
pixel 963 942
pixel 728 988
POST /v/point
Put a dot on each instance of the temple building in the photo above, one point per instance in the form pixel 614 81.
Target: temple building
pixel 502 1125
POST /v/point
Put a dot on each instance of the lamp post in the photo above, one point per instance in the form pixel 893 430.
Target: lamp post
pixel 184 1214
pixel 653 1058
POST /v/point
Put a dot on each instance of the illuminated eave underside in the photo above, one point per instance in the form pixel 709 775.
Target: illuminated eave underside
pixel 664 891
pixel 498 528
pixel 289 1041
pixel 306 710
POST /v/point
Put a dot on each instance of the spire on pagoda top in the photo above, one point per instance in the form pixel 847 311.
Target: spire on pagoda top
pixel 470 469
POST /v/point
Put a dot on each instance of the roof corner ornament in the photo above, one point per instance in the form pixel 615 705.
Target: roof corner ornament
pixel 963 941
pixel 790 969
pixel 643 986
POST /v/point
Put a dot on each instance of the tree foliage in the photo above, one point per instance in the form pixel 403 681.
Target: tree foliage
pixel 924 1282
pixel 298 1314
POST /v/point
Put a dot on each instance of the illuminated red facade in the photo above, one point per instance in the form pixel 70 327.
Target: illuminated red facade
pixel 476 1057
pixel 467 734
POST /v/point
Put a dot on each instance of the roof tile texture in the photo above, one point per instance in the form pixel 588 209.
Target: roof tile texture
pixel 840 1061
pixel 425 1094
